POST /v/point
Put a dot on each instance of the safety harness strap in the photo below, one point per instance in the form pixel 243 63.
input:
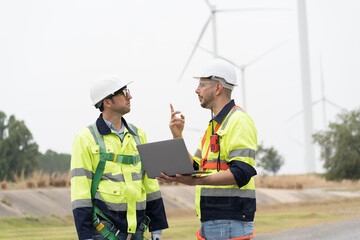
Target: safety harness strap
pixel 216 165
pixel 101 227
pixel 137 140
pixel 104 157
pixel 124 159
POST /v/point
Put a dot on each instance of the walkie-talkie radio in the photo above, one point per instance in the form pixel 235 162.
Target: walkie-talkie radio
pixel 214 138
pixel 214 143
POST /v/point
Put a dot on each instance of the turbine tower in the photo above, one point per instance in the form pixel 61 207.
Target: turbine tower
pixel 310 166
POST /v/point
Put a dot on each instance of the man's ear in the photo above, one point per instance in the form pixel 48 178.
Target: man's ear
pixel 218 88
pixel 107 102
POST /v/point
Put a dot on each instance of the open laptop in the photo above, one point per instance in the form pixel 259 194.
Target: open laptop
pixel 169 156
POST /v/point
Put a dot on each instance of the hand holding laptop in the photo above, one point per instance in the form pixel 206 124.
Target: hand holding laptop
pixel 187 179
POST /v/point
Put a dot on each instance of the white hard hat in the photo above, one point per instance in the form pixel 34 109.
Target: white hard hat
pixel 219 68
pixel 106 86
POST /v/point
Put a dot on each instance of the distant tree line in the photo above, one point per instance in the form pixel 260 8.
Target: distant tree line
pixel 340 150
pixel 268 159
pixel 340 147
pixel 19 152
pixel 54 162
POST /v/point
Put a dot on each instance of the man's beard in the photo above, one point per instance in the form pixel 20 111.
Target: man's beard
pixel 207 101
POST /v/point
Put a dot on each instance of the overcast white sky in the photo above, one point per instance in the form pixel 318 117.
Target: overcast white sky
pixel 51 52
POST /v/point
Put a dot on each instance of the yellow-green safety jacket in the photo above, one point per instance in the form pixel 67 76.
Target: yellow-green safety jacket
pixel 238 144
pixel 125 194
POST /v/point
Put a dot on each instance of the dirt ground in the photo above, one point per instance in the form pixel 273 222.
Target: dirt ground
pixel 177 199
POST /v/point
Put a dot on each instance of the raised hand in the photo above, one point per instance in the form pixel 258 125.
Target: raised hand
pixel 176 124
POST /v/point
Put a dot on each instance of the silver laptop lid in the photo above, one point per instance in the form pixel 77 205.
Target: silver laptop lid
pixel 169 156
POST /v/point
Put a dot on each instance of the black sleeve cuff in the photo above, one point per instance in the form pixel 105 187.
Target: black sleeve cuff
pixel 83 222
pixel 155 210
pixel 196 166
pixel 242 172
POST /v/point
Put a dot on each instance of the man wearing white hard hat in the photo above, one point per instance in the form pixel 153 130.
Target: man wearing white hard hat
pixel 225 198
pixel 111 195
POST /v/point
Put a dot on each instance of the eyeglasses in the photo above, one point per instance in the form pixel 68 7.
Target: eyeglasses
pixel 203 83
pixel 124 92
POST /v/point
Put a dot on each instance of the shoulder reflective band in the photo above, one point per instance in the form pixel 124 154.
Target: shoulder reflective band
pixel 214 165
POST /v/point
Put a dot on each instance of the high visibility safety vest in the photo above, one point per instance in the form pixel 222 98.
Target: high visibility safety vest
pixel 238 144
pixel 124 194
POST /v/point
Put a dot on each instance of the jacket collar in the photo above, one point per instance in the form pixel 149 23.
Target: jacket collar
pixel 224 112
pixel 105 130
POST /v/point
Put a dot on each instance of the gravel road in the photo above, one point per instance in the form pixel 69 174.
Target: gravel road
pixel 40 202
pixel 347 229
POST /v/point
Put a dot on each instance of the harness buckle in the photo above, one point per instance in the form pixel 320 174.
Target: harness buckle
pixel 134 159
pixel 202 163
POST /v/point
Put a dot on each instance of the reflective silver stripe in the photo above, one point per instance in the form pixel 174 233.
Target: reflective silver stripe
pixel 136 176
pixel 101 140
pixel 114 178
pixel 80 203
pixel 80 172
pixel 123 206
pixel 141 205
pixel 112 206
pixel 198 153
pixel 215 160
pixel 227 119
pixel 119 206
pixel 153 196
pixel 116 206
pixel 227 192
pixel 242 152
pixel 133 128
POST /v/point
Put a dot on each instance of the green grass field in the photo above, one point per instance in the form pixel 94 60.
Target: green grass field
pixel 184 225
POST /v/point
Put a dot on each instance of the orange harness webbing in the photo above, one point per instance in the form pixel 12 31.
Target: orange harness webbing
pixel 204 163
pixel 212 165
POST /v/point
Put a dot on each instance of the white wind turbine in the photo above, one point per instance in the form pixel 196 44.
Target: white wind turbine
pixel 323 99
pixel 243 67
pixel 212 17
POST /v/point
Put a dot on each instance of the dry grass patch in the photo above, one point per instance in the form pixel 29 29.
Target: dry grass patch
pixel 302 214
pixel 301 181
pixel 38 180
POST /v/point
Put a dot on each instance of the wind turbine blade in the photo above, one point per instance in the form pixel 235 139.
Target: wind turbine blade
pixel 316 102
pixel 293 116
pixel 266 53
pixel 300 112
pixel 253 9
pixel 207 3
pixel 295 140
pixel 334 105
pixel 219 56
pixel 196 45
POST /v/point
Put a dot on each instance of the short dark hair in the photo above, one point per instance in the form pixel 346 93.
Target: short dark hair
pixel 100 104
